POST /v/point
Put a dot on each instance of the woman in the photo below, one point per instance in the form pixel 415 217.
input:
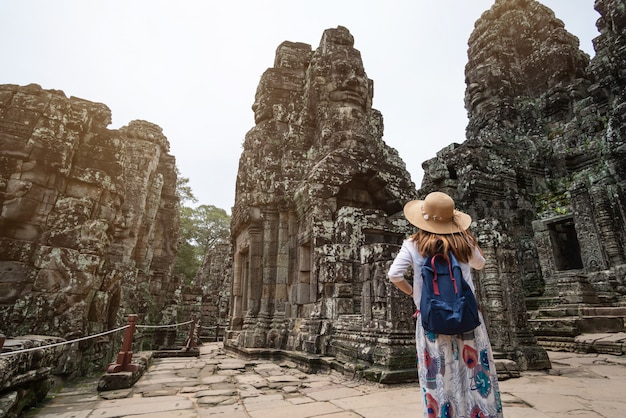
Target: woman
pixel 456 373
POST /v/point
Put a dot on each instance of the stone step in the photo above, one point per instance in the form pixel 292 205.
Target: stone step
pixel 553 312
pixel 604 343
pixel 613 343
pixel 579 310
pixel 507 369
pixel 553 327
pixel 575 325
pixel 534 303
pixel 499 355
pixel 603 311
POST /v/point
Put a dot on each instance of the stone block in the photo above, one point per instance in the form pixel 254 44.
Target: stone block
pixel 302 293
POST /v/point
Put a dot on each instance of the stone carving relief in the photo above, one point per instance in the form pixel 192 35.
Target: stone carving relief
pixel 543 156
pixel 317 221
pixel 310 196
pixel 88 216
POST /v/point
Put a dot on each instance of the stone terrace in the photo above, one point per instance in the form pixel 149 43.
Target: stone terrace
pixel 218 384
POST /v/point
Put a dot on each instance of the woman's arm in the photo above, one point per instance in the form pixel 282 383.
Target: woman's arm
pixel 404 287
pixel 398 268
pixel 478 260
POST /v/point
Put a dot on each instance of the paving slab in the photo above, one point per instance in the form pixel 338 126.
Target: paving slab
pixel 296 411
pixel 408 396
pixel 408 410
pixel 169 414
pixel 251 380
pixel 217 384
pixel 335 393
pixel 218 378
pixel 138 406
pixel 223 411
pixel 74 414
pixel 214 400
pixel 340 415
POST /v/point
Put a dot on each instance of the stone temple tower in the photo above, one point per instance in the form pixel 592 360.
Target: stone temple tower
pixel 317 216
pixel 543 172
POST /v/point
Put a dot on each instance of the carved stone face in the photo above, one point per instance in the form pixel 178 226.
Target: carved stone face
pixel 24 211
pixel 348 82
pixel 17 206
pixel 477 93
pixel 338 72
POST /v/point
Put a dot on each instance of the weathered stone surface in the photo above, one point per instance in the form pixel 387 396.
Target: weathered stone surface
pixel 589 385
pixel 542 171
pixel 213 282
pixel 315 221
pixel 26 377
pixel 126 379
pixel 88 220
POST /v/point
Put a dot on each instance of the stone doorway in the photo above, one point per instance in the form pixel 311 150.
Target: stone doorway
pixel 565 246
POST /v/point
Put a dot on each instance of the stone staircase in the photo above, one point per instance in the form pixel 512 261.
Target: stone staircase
pixel 572 306
pixel 506 368
pixel 560 327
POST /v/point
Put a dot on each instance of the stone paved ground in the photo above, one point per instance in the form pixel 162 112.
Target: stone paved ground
pixel 217 384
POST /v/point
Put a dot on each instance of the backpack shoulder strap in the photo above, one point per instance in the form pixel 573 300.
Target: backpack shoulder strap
pixel 456 268
pixel 449 262
pixel 453 261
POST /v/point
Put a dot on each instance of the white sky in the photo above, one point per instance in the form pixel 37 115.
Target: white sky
pixel 192 66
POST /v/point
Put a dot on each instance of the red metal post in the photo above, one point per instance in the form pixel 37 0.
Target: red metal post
pixel 125 356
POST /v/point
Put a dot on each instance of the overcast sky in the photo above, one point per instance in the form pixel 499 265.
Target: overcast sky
pixel 192 66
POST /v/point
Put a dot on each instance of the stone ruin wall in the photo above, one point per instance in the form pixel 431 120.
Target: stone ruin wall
pixel 206 298
pixel 318 219
pixel 88 219
pixel 543 170
pixel 213 282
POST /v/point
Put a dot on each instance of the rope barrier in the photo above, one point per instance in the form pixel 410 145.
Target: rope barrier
pixel 164 326
pixel 25 350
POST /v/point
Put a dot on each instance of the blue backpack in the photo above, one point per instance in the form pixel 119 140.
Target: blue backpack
pixel 448 305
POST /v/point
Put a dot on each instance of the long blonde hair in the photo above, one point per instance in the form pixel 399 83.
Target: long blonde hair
pixel 461 244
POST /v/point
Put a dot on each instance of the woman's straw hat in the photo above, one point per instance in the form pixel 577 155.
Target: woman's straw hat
pixel 436 214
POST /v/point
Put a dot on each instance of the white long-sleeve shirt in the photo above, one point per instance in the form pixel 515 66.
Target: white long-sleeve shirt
pixel 410 256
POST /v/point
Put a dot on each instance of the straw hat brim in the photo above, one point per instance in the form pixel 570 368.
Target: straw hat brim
pixel 413 213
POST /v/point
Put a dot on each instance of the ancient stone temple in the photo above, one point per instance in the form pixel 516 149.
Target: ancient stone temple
pixel 314 222
pixel 543 170
pixel 88 217
pixel 213 283
pixel 318 218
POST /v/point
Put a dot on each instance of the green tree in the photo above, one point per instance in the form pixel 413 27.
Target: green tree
pixel 183 189
pixel 211 227
pixel 201 228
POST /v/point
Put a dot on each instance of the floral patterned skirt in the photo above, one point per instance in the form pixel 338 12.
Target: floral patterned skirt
pixel 457 374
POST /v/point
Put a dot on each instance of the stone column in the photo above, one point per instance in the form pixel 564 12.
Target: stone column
pixel 585 223
pixel 609 222
pixel 277 334
pixel 488 283
pixel 237 294
pixel 254 286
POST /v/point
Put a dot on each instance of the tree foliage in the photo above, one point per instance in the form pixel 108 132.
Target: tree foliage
pixel 201 229
pixel 183 189
pixel 204 226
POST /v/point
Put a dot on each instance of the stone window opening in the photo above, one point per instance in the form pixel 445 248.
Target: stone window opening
pixel 565 245
pixel 367 191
